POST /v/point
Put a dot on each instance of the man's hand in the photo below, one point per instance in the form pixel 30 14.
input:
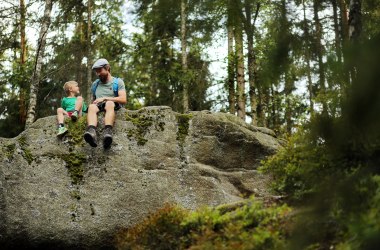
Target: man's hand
pixel 99 100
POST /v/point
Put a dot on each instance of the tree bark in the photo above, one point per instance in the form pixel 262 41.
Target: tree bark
pixel 22 93
pixel 240 90
pixel 89 55
pixel 252 71
pixel 338 39
pixel 288 104
pixel 355 29
pixel 231 64
pixel 184 57
pixel 319 50
pixel 22 32
pixel 344 42
pixel 38 65
pixel 355 20
pixel 307 60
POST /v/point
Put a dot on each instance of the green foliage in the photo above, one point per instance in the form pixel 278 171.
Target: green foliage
pixel 335 162
pixel 160 230
pixel 250 226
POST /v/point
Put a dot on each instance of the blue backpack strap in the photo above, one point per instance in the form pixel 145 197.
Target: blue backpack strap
pixel 93 88
pixel 115 86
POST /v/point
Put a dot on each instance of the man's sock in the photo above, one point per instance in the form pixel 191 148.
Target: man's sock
pixel 91 126
pixel 108 126
pixel 61 125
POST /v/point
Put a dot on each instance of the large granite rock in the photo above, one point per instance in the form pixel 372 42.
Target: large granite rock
pixel 65 194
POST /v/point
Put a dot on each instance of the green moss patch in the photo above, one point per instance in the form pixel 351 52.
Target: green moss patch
pixel 143 124
pixel 75 166
pixel 26 153
pixel 76 129
pixel 9 151
pixel 183 121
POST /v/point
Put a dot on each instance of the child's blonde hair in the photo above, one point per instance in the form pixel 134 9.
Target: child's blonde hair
pixel 67 85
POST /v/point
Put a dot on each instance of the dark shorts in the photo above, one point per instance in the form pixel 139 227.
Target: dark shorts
pixel 102 106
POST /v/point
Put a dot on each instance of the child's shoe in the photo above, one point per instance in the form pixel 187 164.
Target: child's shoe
pixel 74 116
pixel 62 131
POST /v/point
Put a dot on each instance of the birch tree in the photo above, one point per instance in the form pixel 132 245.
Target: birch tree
pixel 38 64
pixel 238 35
pixel 249 27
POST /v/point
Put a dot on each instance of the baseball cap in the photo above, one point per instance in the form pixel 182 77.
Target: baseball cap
pixel 100 63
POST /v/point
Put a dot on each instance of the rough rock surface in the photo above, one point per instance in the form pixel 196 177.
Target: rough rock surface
pixel 63 193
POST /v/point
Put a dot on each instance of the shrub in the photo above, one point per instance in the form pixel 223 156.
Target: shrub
pixel 251 226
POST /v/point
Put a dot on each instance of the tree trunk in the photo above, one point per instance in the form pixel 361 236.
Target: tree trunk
pixel 344 20
pixel 307 60
pixel 184 57
pixel 338 39
pixel 231 65
pixel 355 29
pixel 344 41
pixel 89 55
pixel 355 20
pixel 249 28
pixel 262 107
pixel 240 91
pixel 22 93
pixel 80 26
pixel 38 65
pixel 288 106
pixel 319 51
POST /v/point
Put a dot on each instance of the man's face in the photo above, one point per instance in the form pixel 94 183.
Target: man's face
pixel 102 73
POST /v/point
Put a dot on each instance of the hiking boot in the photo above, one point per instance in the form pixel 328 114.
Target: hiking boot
pixel 62 131
pixel 74 116
pixel 90 137
pixel 107 138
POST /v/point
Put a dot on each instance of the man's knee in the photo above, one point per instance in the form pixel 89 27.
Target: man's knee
pixel 110 105
pixel 60 111
pixel 93 108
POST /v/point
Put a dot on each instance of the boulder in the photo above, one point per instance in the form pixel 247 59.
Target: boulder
pixel 62 193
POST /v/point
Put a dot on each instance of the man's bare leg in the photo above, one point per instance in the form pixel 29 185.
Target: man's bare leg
pixel 92 115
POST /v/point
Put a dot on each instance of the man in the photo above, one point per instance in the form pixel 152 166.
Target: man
pixel 108 95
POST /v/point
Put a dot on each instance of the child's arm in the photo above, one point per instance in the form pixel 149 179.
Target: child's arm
pixel 63 104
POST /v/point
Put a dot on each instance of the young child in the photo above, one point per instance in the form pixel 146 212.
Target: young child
pixel 71 106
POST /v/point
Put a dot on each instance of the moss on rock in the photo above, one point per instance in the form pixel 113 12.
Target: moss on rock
pixel 9 151
pixel 76 129
pixel 183 121
pixel 143 123
pixel 74 164
pixel 27 154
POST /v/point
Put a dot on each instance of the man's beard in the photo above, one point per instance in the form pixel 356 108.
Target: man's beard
pixel 103 78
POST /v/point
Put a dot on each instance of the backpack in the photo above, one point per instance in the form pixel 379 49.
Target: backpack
pixel 115 87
